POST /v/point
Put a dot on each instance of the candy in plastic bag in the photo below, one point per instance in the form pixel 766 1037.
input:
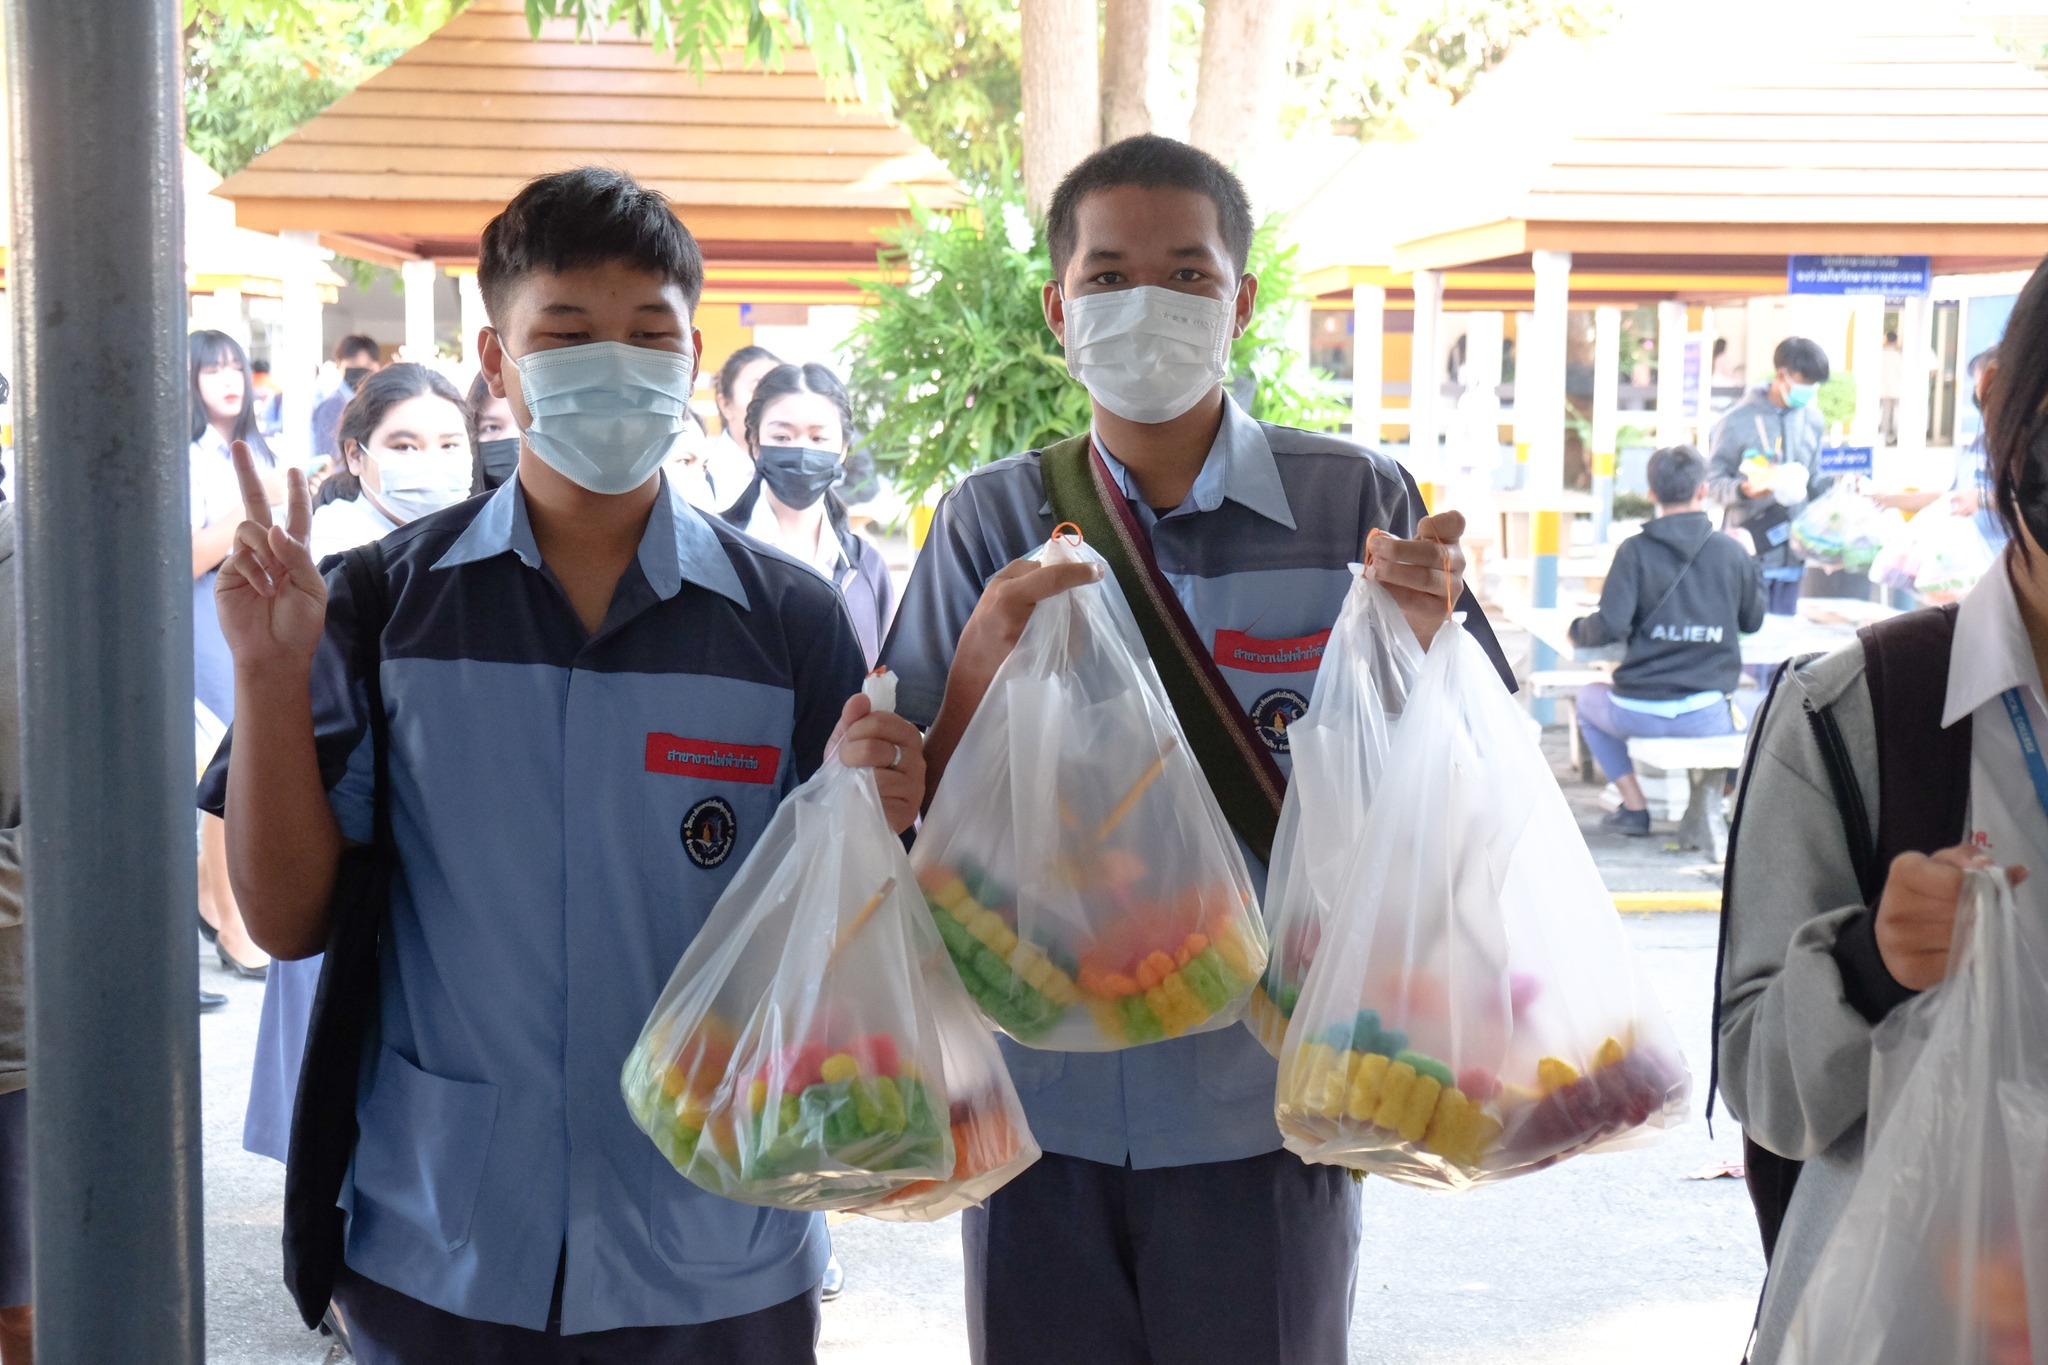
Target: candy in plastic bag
pixel 1087 885
pixel 1942 1251
pixel 1476 1014
pixel 1953 556
pixel 1840 529
pixel 1339 747
pixel 814 1048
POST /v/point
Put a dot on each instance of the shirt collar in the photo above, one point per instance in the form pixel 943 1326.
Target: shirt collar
pixel 1240 467
pixel 1990 652
pixel 678 546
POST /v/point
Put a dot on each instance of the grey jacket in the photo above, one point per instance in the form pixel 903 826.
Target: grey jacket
pixel 13 997
pixel 1782 435
pixel 1795 1055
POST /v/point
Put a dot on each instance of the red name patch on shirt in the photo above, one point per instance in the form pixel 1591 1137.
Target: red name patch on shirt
pixel 1235 649
pixel 707 758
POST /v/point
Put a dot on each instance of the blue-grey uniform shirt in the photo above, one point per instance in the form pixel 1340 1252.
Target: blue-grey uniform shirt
pixel 567 807
pixel 1257 554
pixel 1783 436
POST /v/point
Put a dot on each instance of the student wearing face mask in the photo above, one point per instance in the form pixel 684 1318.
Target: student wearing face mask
pixel 1165 1220
pixel 597 699
pixel 1780 424
pixel 405 451
pixel 799 428
pixel 497 435
pixel 358 357
pixel 727 466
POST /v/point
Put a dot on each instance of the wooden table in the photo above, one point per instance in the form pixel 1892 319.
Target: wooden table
pixel 1782 637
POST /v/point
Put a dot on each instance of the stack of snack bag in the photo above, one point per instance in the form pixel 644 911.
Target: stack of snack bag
pixel 1089 889
pixel 1339 747
pixel 1840 529
pixel 814 1049
pixel 1942 1252
pixel 1476 1012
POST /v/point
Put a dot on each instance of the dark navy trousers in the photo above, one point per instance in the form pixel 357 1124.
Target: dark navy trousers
pixel 1246 1262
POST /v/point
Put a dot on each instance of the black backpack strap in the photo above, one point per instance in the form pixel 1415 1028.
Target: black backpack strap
pixel 367 584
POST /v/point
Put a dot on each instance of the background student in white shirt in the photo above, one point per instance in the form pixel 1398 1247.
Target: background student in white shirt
pixel 407 448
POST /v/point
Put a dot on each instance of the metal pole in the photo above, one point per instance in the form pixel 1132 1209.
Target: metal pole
pixel 98 292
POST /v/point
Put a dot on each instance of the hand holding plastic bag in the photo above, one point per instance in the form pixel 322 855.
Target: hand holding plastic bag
pixel 1339 747
pixel 1087 885
pixel 1479 1015
pixel 1841 529
pixel 814 1048
pixel 1942 1252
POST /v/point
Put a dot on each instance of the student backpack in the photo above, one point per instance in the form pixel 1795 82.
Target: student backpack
pixel 1923 784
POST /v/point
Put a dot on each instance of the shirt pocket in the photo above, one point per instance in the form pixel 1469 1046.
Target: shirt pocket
pixel 1231 1065
pixel 691 1228
pixel 425 1139
pixel 699 820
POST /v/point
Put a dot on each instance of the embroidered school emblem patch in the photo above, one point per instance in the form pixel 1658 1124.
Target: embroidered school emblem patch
pixel 1274 712
pixel 709 832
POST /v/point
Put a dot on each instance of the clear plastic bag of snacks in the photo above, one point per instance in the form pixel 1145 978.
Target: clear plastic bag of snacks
pixel 1480 1014
pixel 815 1049
pixel 1339 747
pixel 1840 529
pixel 1088 887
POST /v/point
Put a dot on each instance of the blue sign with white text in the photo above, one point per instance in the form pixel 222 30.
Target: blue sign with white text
pixel 1895 277
pixel 1847 459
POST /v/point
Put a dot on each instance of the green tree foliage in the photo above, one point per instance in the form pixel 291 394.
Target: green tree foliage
pixel 255 71
pixel 1285 389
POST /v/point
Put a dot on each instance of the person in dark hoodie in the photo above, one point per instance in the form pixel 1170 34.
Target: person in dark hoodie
pixel 1679 596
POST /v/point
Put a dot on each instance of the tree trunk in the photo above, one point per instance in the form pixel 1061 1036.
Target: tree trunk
pixel 1062 92
pixel 1134 66
pixel 1243 71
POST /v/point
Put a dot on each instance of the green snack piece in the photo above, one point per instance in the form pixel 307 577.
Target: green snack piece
pixel 1233 984
pixel 1289 997
pixel 678 1142
pixel 867 1106
pixel 1200 972
pixel 791 1108
pixel 842 1126
pixel 890 1098
pixel 1141 1025
pixel 1428 1066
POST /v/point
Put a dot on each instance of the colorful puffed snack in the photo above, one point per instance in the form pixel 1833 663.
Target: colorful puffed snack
pixel 1074 859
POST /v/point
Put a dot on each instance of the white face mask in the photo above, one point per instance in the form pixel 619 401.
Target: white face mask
pixel 412 483
pixel 1149 354
pixel 605 414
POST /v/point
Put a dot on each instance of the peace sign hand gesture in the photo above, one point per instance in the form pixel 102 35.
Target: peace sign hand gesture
pixel 271 599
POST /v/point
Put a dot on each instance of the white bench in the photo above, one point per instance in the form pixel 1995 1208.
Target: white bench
pixel 1707 761
pixel 1564 684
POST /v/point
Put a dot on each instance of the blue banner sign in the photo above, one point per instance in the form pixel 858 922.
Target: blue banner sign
pixel 1847 459
pixel 1895 277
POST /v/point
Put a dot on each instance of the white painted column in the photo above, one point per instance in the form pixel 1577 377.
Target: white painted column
pixel 1606 413
pixel 1425 381
pixel 418 278
pixel 1518 416
pixel 1483 334
pixel 229 316
pixel 1703 391
pixel 1553 271
pixel 300 342
pixel 1867 340
pixel 1670 373
pixel 1916 323
pixel 1368 361
pixel 474 319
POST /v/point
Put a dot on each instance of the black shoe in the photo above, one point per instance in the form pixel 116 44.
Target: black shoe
pixel 234 968
pixel 209 1000
pixel 834 1283
pixel 1634 823
pixel 207 931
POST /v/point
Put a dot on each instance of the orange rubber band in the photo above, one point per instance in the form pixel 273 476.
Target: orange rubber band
pixel 1065 527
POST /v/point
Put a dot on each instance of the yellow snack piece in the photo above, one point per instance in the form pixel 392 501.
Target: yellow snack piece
pixel 1449 1125
pixel 1554 1074
pixel 964 912
pixel 950 896
pixel 693 1109
pixel 1230 946
pixel 838 1067
pixel 985 925
pixel 1610 1054
pixel 1329 1097
pixel 1394 1092
pixel 1421 1105
pixel 1106 1017
pixel 1001 940
pixel 1364 1100
pixel 1185 1002
pixel 757 1095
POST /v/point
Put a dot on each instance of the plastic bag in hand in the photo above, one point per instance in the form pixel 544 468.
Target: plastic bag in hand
pixel 1339 747
pixel 1841 529
pixel 814 1048
pixel 1478 1014
pixel 1089 889
pixel 1942 1251
pixel 1897 561
pixel 1953 556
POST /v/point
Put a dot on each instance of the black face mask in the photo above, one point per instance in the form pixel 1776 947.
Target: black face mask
pixel 499 458
pixel 2032 494
pixel 354 375
pixel 799 476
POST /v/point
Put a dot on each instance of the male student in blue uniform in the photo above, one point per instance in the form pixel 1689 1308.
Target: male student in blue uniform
pixel 597 699
pixel 1165 1223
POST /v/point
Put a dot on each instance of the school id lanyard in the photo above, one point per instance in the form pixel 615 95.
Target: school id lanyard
pixel 2023 730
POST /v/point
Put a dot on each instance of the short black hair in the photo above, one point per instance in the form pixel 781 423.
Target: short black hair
pixel 355 343
pixel 1803 358
pixel 1676 473
pixel 728 377
pixel 259 366
pixel 1987 356
pixel 580 218
pixel 381 392
pixel 1154 163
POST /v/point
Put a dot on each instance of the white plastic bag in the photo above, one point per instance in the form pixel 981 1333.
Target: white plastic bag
pixel 1480 1015
pixel 1953 556
pixel 1087 885
pixel 1942 1252
pixel 814 1048
pixel 1339 747
pixel 1840 529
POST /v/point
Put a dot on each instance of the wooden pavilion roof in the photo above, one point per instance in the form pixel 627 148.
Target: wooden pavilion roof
pixel 784 186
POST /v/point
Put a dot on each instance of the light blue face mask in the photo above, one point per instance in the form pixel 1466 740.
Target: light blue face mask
pixel 605 414
pixel 1801 395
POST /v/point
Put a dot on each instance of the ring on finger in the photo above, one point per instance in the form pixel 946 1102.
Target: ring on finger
pixel 897 760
